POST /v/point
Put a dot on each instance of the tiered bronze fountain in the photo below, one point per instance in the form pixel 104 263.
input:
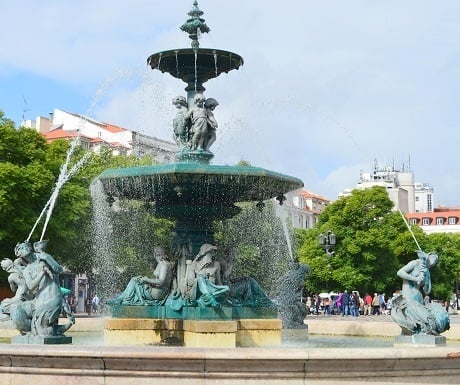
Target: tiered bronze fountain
pixel 194 193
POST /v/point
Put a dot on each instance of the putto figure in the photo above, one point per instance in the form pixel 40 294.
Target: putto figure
pixel 181 125
pixel 210 104
pixel 199 122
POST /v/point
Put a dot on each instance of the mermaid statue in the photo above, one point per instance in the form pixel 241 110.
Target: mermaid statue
pixel 409 310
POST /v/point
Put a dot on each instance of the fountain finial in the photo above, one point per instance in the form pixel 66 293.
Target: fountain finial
pixel 195 25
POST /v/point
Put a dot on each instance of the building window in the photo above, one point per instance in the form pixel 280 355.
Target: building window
pixel 439 221
pixel 413 221
pixel 425 221
pixel 429 203
pixel 452 220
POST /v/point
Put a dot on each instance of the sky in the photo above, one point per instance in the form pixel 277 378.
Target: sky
pixel 328 87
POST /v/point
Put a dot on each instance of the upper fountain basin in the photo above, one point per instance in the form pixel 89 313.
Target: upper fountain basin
pixel 195 64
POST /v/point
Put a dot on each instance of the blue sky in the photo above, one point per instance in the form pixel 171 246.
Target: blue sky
pixel 326 88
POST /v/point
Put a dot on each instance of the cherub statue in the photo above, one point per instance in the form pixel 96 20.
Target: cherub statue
pixel 181 124
pixel 199 122
pixel 210 104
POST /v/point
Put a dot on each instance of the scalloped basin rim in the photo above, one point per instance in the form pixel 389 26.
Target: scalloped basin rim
pixel 192 183
pixel 191 168
pixel 192 51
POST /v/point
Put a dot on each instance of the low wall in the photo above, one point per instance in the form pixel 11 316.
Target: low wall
pixel 96 365
pixel 350 327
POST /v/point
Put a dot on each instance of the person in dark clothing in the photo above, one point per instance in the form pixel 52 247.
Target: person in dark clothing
pixel 345 303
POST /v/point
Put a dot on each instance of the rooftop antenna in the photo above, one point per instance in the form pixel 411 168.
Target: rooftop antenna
pixel 23 116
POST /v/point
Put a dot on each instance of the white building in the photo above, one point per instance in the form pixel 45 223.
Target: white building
pixel 407 195
pixel 302 208
pixel 423 198
pixel 441 220
pixel 95 136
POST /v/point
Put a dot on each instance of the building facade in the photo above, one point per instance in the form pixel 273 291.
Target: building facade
pixel 424 198
pixel 302 208
pixel 440 220
pixel 407 195
pixel 97 136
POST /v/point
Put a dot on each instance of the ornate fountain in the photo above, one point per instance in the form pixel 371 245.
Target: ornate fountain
pixel 126 364
pixel 195 193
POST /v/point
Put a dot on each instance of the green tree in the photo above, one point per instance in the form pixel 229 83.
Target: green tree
pixel 371 242
pixel 446 273
pixel 25 182
pixel 28 172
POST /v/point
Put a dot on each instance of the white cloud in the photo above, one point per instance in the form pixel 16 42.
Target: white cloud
pixel 326 85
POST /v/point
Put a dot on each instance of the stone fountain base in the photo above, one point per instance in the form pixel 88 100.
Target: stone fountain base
pixel 193 333
pixel 222 327
pixel 50 340
pixel 420 340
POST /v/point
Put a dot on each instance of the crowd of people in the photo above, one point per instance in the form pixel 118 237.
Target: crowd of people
pixel 349 304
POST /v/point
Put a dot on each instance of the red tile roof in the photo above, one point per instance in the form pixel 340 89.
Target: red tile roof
pixel 113 129
pixel 308 194
pixel 60 134
pixel 433 216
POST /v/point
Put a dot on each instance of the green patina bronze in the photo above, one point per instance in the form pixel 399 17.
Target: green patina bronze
pixel 39 300
pixel 195 25
pixel 195 193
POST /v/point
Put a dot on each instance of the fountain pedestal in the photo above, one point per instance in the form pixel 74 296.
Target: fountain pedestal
pixel 193 333
pixel 420 340
pixel 41 340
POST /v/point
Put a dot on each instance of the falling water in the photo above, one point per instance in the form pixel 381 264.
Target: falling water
pixel 102 239
pixel 283 216
pixel 196 73
pixel 215 64
pixel 287 235
pixel 159 62
pixel 177 63
pixel 257 230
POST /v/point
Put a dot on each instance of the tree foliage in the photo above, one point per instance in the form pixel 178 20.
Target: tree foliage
pixel 29 168
pixel 372 240
pixel 446 273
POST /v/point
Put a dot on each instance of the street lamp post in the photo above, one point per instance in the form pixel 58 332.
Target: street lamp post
pixel 456 291
pixel 328 241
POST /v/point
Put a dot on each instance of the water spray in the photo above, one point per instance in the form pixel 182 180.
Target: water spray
pixel 63 177
pixel 409 228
